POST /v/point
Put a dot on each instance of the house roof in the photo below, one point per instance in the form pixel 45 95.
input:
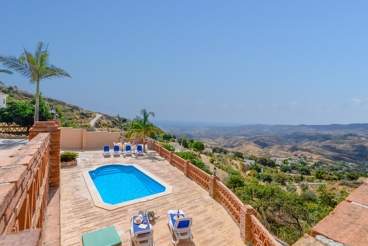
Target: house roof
pixel 3 94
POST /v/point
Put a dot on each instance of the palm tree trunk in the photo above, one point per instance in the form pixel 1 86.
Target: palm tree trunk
pixel 37 97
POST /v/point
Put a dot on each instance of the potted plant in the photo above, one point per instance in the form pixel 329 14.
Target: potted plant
pixel 68 158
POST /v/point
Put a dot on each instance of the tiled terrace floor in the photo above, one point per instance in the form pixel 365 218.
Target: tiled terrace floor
pixel 211 223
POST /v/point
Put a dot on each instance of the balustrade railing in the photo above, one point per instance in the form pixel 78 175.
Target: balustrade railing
pixel 228 200
pixel 253 232
pixel 200 177
pixel 260 235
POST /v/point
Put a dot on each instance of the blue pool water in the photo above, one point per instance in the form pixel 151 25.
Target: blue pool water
pixel 117 183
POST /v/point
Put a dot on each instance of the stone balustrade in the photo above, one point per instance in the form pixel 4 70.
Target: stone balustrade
pixel 251 230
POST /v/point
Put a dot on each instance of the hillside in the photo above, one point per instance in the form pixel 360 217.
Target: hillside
pixel 71 115
pixel 348 143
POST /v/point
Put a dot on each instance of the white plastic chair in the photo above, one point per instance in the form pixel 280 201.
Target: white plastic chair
pixel 179 228
pixel 141 237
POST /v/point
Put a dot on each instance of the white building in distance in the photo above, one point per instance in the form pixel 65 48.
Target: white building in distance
pixel 3 100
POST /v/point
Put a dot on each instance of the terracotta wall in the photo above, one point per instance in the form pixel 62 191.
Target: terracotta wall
pixel 25 179
pixel 76 139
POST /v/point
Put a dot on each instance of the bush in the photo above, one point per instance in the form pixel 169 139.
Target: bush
pixel 68 156
pixel 285 168
pixel 198 146
pixel 352 176
pixel 266 162
pixel 309 196
pixel 279 178
pixel 238 154
pixel 194 160
pixel 168 147
pixel 304 186
pixel 255 167
pixel 265 177
pixel 291 188
pixel 304 171
pixel 235 181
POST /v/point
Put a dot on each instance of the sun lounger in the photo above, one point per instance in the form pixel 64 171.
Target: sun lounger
pixel 179 227
pixel 106 151
pixel 139 150
pixel 128 150
pixel 141 236
pixel 116 150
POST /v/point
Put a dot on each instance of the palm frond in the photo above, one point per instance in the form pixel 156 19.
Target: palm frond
pixel 5 71
pixel 53 71
pixel 15 64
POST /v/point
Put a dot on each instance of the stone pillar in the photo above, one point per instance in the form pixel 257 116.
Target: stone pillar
pixel 53 127
pixel 170 157
pixel 212 186
pixel 84 138
pixel 246 232
pixel 186 167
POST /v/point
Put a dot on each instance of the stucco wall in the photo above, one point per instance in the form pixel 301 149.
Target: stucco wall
pixel 71 138
pixel 74 139
pixel 96 140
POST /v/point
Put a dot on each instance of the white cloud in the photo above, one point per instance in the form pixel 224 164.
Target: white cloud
pixel 293 104
pixel 358 103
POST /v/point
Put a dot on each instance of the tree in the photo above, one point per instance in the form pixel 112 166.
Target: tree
pixel 265 177
pixel 285 168
pixel 198 146
pixel 18 112
pixel 304 171
pixel 4 71
pixel 255 167
pixel 238 154
pixel 352 176
pixel 266 162
pixel 279 178
pixel 143 127
pixel 320 174
pixel 35 67
pixel 235 181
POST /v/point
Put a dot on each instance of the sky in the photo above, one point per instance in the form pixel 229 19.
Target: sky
pixel 246 62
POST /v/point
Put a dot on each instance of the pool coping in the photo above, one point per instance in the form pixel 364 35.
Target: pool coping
pixel 97 200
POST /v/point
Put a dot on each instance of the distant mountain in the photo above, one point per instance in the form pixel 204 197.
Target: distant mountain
pixel 335 142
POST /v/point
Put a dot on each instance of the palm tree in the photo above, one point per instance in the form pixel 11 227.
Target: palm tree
pixel 35 67
pixel 143 127
pixel 4 71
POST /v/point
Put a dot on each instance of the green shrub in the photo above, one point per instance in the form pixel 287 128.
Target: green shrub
pixel 309 196
pixel 265 177
pixel 235 181
pixel 168 147
pixel 68 156
pixel 279 178
pixel 291 188
pixel 194 160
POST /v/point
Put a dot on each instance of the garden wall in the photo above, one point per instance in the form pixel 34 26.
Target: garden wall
pixel 76 139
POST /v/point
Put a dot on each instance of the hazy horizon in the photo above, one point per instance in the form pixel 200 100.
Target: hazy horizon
pixel 290 62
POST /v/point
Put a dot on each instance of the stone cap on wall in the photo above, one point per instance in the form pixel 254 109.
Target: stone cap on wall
pixel 348 222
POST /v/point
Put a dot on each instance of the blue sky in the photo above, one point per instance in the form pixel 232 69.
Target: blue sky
pixel 269 62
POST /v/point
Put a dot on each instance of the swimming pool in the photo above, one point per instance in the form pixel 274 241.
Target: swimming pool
pixel 117 185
